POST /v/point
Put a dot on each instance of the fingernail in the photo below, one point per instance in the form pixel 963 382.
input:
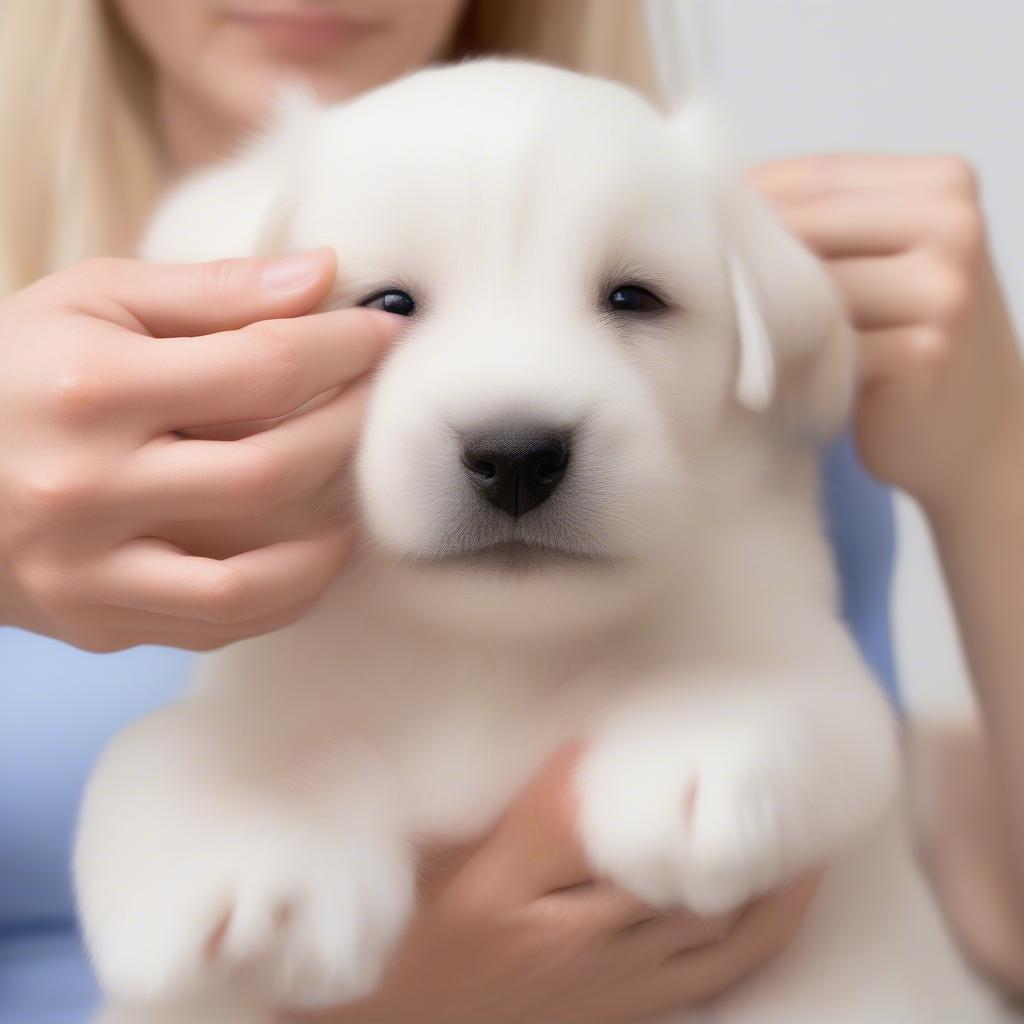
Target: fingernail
pixel 293 273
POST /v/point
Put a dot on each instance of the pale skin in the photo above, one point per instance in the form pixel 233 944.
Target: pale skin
pixel 91 401
pixel 904 238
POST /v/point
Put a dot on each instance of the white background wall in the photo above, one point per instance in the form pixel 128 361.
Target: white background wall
pixel 905 76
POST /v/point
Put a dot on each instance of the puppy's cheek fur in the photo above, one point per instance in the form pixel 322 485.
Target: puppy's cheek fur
pixel 407 468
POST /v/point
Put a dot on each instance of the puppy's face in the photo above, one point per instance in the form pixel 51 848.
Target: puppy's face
pixel 571 267
pixel 564 288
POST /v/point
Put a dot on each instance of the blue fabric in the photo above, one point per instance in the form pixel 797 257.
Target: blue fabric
pixel 861 523
pixel 45 979
pixel 59 707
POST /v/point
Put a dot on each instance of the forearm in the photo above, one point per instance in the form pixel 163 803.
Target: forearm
pixel 980 541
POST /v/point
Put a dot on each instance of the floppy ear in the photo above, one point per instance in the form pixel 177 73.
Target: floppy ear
pixel 242 207
pixel 794 348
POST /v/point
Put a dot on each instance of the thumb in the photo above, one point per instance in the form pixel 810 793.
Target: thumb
pixel 535 848
pixel 175 299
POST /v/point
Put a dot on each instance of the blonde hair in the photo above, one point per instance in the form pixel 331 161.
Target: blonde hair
pixel 80 163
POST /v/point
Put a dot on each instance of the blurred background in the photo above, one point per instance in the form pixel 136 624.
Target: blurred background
pixel 903 76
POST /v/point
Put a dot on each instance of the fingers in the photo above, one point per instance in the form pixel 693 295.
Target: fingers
pixel 150 575
pixel 183 480
pixel 262 372
pixel 839 172
pixel 115 629
pixel 598 908
pixel 763 930
pixel 668 934
pixel 858 223
pixel 912 288
pixel 168 300
pixel 534 850
pixel 884 222
pixel 894 353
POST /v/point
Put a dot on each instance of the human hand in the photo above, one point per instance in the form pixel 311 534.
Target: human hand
pixel 515 929
pixel 96 487
pixel 940 409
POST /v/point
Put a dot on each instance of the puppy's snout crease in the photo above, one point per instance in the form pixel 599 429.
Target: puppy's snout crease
pixel 516 470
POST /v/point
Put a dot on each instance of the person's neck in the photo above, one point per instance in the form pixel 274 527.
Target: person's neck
pixel 193 134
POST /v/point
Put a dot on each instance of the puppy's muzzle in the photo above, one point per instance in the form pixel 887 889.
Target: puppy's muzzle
pixel 517 468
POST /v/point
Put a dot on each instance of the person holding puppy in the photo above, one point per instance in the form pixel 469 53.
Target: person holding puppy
pixel 194 548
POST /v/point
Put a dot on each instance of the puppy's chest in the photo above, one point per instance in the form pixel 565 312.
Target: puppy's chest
pixel 460 731
pixel 473 735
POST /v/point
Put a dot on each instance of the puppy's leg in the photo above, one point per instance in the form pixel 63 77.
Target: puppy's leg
pixel 223 853
pixel 707 790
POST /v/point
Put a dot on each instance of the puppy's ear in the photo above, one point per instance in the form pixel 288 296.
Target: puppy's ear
pixel 242 207
pixel 794 348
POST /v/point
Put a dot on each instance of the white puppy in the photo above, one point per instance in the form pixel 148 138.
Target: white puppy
pixel 588 492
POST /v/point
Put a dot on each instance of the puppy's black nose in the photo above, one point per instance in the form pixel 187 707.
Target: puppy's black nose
pixel 517 469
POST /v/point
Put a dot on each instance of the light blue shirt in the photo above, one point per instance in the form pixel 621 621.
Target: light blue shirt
pixel 60 706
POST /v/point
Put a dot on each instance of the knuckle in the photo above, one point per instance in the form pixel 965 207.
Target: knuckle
pixel 224 596
pixel 942 288
pixel 55 492
pixel 948 297
pixel 274 370
pixel 927 345
pixel 956 174
pixel 221 279
pixel 962 228
pixel 78 392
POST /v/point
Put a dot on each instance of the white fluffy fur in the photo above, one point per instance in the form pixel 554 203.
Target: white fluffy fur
pixel 256 841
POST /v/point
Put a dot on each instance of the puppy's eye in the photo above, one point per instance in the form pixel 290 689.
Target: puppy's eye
pixel 631 298
pixel 391 301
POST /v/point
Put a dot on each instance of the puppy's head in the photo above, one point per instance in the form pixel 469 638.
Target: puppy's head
pixel 593 300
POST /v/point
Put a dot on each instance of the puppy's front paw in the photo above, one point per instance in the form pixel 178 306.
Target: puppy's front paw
pixel 316 928
pixel 301 921
pixel 705 826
